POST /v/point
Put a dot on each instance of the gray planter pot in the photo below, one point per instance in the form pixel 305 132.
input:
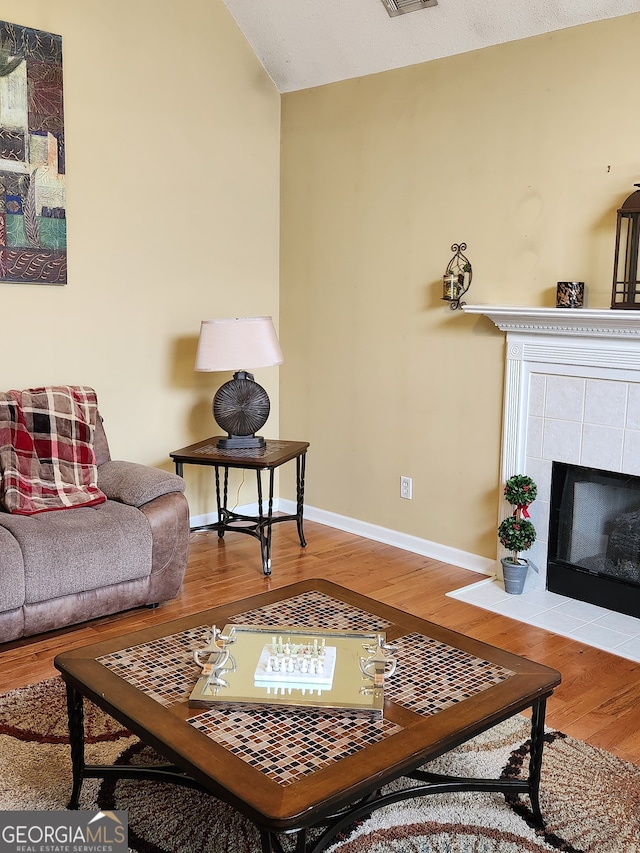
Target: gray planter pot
pixel 514 575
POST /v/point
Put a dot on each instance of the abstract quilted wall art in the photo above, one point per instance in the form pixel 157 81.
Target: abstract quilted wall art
pixel 33 223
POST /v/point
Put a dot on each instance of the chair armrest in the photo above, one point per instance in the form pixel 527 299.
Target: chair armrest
pixel 135 484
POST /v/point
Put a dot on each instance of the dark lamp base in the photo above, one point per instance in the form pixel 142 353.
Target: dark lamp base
pixel 241 408
pixel 241 442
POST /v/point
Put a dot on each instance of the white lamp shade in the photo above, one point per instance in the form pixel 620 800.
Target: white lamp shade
pixel 239 343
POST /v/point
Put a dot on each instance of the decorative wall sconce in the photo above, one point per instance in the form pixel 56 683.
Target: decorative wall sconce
pixel 626 272
pixel 457 278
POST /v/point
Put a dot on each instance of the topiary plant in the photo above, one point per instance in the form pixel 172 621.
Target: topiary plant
pixel 520 491
pixel 516 533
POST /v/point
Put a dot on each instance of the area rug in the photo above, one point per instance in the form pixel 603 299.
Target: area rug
pixel 590 799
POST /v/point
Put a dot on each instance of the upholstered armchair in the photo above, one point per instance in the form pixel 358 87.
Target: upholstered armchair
pixel 63 567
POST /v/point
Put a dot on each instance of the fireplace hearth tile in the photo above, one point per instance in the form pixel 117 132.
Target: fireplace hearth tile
pixel 630 649
pixel 619 622
pixel 583 610
pixel 525 607
pixel 612 632
pixel 598 635
pixel 486 593
pixel 557 622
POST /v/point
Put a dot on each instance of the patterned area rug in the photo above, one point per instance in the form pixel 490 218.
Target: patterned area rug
pixel 590 799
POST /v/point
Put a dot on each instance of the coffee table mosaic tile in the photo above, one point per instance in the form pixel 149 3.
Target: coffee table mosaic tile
pixel 313 610
pixel 164 668
pixel 239 452
pixel 431 676
pixel 288 746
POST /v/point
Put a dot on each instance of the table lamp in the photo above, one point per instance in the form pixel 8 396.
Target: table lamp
pixel 240 406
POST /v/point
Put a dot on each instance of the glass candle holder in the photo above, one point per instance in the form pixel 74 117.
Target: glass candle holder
pixel 450 287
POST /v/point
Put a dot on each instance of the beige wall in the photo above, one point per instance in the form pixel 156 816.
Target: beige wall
pixel 172 132
pixel 524 151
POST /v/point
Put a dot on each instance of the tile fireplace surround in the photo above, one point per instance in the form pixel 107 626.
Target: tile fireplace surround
pixel 571 394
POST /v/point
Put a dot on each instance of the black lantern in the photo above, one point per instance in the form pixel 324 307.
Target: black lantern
pixel 626 274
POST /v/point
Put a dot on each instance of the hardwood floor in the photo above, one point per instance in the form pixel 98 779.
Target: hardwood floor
pixel 598 699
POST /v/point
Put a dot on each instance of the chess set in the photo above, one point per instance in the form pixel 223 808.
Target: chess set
pixel 286 665
pixel 293 667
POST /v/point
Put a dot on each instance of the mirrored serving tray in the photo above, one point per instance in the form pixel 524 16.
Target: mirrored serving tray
pixel 290 667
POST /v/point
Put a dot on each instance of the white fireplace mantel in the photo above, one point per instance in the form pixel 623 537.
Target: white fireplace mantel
pixel 594 322
pixel 571 394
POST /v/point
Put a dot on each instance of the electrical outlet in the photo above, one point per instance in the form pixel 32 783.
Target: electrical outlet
pixel 406 488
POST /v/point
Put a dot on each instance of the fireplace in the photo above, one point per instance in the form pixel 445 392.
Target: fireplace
pixel 572 398
pixel 594 537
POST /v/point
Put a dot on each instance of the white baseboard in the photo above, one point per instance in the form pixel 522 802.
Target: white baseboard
pixel 453 556
pixel 425 547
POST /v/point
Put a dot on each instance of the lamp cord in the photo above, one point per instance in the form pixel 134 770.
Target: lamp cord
pixel 238 492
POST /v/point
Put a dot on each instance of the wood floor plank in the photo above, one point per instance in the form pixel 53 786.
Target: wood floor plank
pixel 597 700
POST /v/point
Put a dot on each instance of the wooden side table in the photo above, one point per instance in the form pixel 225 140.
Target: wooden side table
pixel 276 453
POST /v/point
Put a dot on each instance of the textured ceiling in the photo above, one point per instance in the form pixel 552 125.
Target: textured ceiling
pixel 305 43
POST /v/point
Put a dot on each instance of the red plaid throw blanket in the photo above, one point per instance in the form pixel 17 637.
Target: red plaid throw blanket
pixel 47 459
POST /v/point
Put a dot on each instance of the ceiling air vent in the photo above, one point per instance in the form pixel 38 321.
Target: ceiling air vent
pixel 401 7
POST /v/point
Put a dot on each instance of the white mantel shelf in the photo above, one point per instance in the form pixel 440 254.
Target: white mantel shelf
pixel 591 322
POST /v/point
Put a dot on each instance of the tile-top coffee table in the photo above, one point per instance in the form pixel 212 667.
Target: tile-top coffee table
pixel 289 769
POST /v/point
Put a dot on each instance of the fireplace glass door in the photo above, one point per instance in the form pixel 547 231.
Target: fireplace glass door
pixel 594 537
